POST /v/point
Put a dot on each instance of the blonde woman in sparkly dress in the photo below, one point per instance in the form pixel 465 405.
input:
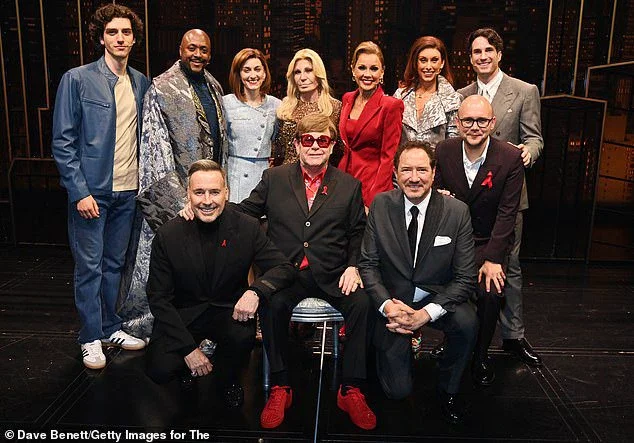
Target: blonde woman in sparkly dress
pixel 307 93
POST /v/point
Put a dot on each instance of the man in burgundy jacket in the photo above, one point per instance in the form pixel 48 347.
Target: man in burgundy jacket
pixel 486 174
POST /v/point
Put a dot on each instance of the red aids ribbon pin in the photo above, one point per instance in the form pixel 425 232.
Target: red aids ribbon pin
pixel 224 243
pixel 488 181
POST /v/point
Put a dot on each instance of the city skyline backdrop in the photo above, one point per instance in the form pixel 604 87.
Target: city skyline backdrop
pixel 550 43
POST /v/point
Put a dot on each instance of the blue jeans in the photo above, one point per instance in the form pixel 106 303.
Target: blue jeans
pixel 99 246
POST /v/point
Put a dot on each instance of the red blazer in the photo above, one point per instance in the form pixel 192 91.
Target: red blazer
pixel 369 154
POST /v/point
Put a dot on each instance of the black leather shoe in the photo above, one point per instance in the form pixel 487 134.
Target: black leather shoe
pixel 233 395
pixel 438 352
pixel 450 408
pixel 520 348
pixel 482 372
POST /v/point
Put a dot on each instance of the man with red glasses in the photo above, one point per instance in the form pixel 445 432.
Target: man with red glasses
pixel 316 217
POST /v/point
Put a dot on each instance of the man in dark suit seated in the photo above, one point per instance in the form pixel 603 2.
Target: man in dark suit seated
pixel 316 217
pixel 417 264
pixel 487 174
pixel 197 286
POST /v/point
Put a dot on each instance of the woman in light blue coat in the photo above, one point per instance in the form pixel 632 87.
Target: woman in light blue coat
pixel 250 115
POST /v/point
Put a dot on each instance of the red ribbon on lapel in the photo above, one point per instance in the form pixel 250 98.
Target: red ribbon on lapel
pixel 224 243
pixel 488 181
pixel 324 191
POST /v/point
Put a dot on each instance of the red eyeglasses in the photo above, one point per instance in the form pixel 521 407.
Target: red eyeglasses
pixel 307 140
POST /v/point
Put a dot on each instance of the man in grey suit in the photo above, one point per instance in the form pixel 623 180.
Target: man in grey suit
pixel 516 107
pixel 418 265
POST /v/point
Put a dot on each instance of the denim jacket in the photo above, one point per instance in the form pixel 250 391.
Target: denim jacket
pixel 84 127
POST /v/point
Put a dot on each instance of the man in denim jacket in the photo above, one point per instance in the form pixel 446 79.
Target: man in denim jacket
pixel 95 141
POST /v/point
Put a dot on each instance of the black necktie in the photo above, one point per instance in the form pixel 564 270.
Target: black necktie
pixel 412 231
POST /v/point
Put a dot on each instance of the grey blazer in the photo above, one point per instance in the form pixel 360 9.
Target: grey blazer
pixel 517 111
pixel 445 264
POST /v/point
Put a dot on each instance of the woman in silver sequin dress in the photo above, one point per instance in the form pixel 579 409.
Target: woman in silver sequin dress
pixel 431 102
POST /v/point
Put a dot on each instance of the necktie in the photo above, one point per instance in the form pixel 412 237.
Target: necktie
pixel 485 94
pixel 412 231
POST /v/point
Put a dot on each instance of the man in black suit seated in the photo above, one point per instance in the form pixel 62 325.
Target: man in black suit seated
pixel 487 174
pixel 316 217
pixel 197 286
pixel 417 264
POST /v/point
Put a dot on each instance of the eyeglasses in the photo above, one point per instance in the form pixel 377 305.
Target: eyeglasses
pixel 307 140
pixel 468 122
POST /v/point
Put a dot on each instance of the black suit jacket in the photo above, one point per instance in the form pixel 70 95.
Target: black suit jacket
pixel 493 209
pixel 330 234
pixel 445 265
pixel 177 277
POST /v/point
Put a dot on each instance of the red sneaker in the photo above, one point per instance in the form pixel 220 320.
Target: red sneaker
pixel 273 413
pixel 354 404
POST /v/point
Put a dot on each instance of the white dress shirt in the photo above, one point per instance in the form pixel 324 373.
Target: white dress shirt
pixel 488 90
pixel 434 310
pixel 471 168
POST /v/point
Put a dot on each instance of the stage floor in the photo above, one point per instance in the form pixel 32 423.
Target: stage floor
pixel 580 320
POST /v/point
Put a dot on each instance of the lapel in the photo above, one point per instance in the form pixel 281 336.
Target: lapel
pixel 502 101
pixel 299 188
pixel 326 190
pixel 346 107
pixel 371 108
pixel 396 214
pixel 227 241
pixel 454 171
pixel 491 164
pixel 409 114
pixel 432 220
pixel 193 250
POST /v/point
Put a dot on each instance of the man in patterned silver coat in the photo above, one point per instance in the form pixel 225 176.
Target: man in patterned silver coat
pixel 183 121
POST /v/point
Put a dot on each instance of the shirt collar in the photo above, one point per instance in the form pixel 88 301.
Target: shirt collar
pixel 480 159
pixel 422 206
pixel 493 83
pixel 319 176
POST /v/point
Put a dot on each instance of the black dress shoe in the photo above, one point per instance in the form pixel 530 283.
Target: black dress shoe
pixel 233 395
pixel 482 372
pixel 520 348
pixel 438 352
pixel 450 408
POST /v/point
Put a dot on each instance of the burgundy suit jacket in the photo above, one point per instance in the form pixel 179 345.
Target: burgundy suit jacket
pixel 493 208
pixel 369 152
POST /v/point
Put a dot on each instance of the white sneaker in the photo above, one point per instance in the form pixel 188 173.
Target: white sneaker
pixel 124 340
pixel 93 355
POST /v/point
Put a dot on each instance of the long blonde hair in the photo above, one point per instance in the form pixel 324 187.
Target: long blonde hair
pixel 289 103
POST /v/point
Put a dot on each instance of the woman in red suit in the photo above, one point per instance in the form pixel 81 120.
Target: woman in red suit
pixel 370 124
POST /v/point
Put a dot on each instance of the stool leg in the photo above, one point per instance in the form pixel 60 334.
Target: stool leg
pixel 266 369
pixel 335 340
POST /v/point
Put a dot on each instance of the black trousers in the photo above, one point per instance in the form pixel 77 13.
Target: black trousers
pixel 489 305
pixel 235 341
pixel 394 352
pixel 356 309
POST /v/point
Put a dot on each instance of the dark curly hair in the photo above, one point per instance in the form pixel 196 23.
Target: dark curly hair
pixel 104 15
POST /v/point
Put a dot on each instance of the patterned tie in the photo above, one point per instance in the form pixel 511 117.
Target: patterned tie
pixel 412 231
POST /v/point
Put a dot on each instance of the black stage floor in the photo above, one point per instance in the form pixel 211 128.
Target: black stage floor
pixel 578 318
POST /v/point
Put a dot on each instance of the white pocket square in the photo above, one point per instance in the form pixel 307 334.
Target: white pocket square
pixel 441 240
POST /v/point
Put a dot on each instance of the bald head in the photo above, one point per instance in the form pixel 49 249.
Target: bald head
pixel 476 102
pixel 475 122
pixel 195 50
